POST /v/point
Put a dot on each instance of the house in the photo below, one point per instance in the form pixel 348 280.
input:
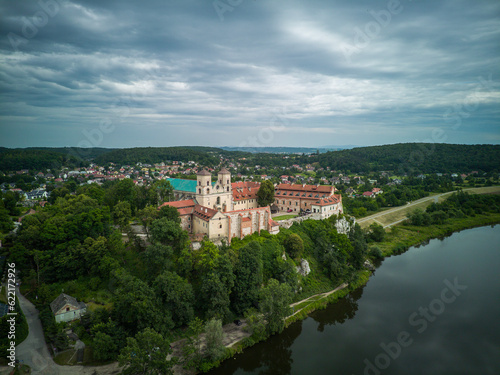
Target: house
pixel 327 207
pixel 377 191
pixel 297 197
pixel 369 194
pixel 66 308
pixel 245 194
pixel 350 192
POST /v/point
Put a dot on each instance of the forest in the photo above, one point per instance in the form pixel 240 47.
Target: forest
pixel 160 287
pixel 401 159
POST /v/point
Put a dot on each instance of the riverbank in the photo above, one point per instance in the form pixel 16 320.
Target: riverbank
pixel 400 238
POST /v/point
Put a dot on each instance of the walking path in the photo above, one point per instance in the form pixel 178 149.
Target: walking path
pixel 323 295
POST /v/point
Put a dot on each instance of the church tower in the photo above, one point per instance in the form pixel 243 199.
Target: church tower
pixel 203 187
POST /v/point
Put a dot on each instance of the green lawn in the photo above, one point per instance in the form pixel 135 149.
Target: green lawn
pixel 285 217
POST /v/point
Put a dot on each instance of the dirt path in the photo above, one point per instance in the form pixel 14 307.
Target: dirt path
pixel 323 295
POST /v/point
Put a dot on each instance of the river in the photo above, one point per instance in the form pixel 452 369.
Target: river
pixel 433 310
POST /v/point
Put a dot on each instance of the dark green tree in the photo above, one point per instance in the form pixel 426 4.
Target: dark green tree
pixel 248 272
pixel 169 233
pixel 293 245
pixel 170 213
pixel 175 295
pixel 275 305
pixel 376 232
pixel 214 337
pixel 122 214
pixel 146 354
pixel 265 195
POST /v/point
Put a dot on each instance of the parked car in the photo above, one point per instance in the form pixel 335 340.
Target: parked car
pixel 289 210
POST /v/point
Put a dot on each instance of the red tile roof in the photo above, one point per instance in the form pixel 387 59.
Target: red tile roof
pixel 180 204
pixel 326 189
pixel 245 190
pixel 204 213
pixel 334 199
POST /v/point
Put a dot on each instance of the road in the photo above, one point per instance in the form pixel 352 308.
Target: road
pixel 34 352
pixel 374 217
pixel 365 221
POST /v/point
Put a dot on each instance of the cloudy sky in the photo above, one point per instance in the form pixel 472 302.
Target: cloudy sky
pixel 127 73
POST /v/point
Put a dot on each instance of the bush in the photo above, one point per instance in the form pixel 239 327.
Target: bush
pixel 376 253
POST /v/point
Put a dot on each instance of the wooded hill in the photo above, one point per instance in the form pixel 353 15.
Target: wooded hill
pixel 401 158
pixel 415 158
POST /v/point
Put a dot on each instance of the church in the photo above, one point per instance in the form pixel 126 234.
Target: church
pixel 220 209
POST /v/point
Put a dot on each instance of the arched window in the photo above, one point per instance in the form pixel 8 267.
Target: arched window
pixel 208 191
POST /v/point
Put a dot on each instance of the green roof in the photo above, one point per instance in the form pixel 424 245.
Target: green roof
pixel 184 185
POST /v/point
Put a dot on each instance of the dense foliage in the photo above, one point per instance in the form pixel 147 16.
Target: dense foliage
pixel 34 159
pixel 75 245
pixel 458 205
pixel 151 155
pixel 413 158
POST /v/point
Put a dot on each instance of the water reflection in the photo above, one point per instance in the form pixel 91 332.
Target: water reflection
pixel 463 339
pixel 272 357
pixel 340 312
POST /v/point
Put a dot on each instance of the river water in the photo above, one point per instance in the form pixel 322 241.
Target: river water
pixel 433 310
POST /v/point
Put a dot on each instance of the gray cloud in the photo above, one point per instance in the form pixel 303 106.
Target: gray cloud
pixel 173 73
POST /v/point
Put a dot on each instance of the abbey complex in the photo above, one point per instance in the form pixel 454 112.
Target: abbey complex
pixel 221 209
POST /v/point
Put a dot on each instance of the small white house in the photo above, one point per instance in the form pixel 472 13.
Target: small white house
pixel 67 308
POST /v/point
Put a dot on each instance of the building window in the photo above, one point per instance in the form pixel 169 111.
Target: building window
pixel 199 191
pixel 227 182
pixel 208 183
pixel 218 200
pixel 67 308
pixel 228 188
pixel 208 191
pixel 220 226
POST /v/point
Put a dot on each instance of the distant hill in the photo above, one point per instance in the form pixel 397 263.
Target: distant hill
pixel 78 152
pixel 281 150
pixel 36 159
pixel 415 158
pixel 402 158
pixel 151 155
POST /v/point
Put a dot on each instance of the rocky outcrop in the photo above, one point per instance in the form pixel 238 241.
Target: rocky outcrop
pixel 344 225
pixel 304 268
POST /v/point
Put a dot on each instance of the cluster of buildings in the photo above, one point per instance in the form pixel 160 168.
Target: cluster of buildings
pixel 222 209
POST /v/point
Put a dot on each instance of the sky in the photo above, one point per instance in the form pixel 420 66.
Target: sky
pixel 257 73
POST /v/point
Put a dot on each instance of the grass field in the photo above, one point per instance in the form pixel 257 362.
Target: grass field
pixel 396 214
